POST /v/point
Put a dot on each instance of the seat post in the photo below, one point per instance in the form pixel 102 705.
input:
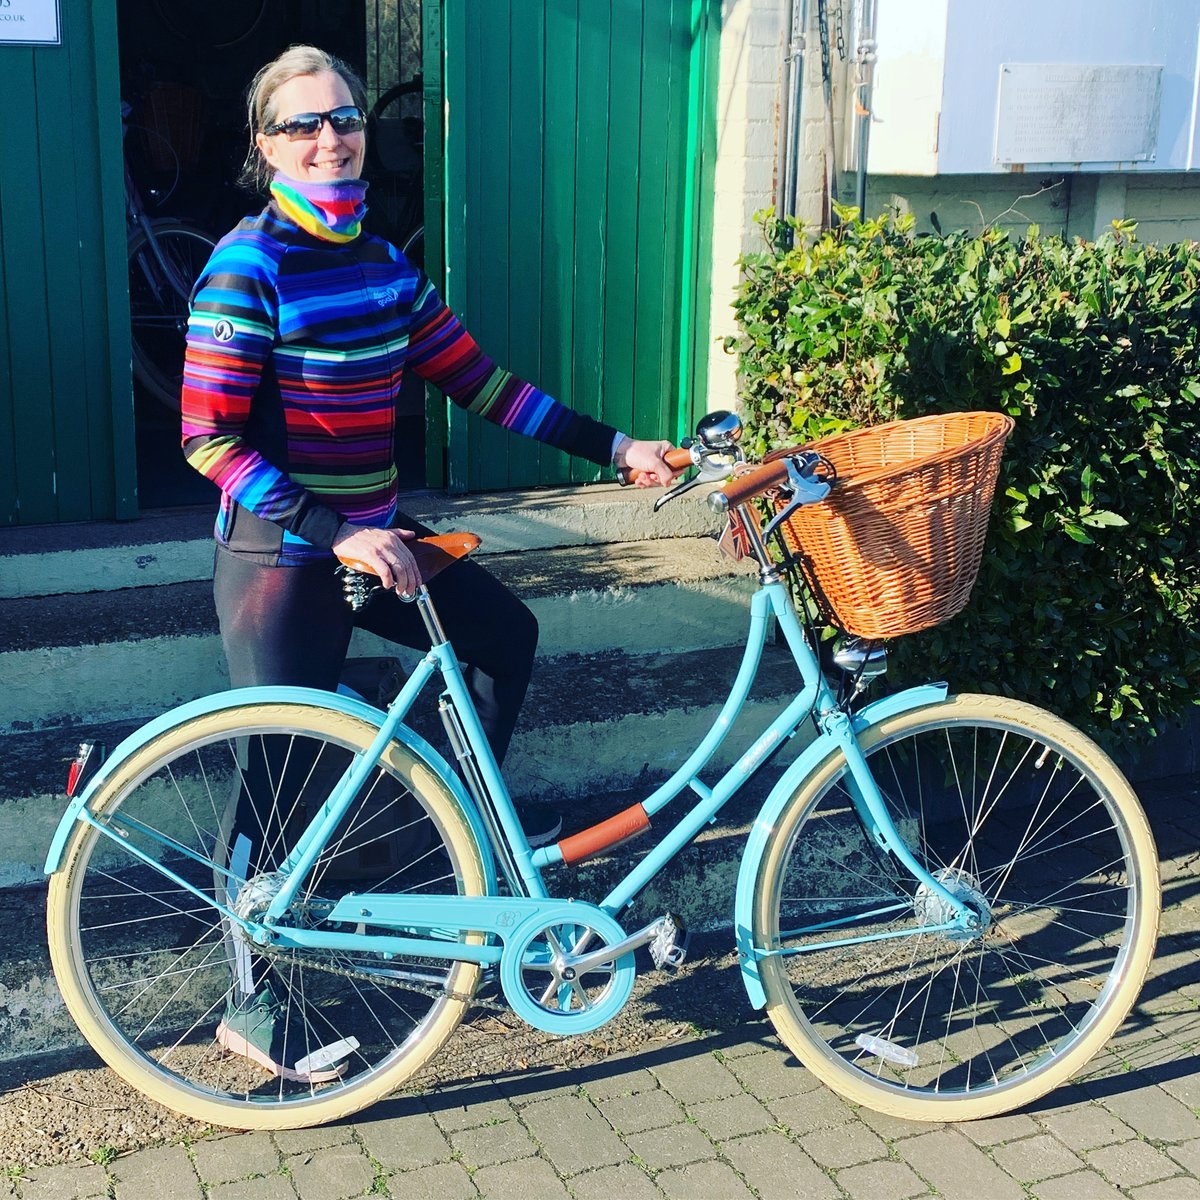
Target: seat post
pixel 433 624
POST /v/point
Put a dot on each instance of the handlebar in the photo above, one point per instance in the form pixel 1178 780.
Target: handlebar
pixel 678 460
pixel 804 475
pixel 748 484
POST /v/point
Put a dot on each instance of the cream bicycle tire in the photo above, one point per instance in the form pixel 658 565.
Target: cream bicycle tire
pixel 262 1106
pixel 887 1061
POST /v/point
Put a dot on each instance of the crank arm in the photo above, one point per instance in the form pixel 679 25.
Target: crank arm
pixel 643 937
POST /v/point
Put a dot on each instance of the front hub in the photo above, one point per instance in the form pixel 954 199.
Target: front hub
pixel 931 909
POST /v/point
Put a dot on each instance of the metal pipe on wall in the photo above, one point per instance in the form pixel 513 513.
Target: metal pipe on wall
pixel 788 158
pixel 865 69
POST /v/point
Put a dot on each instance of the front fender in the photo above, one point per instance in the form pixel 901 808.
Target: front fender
pixel 768 819
pixel 219 702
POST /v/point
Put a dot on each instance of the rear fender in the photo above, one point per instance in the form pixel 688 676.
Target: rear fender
pixel 221 701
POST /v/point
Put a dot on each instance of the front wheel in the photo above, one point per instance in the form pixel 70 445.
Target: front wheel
pixel 162 986
pixel 1022 817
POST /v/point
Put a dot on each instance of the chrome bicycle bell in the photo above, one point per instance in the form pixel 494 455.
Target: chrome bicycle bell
pixel 719 430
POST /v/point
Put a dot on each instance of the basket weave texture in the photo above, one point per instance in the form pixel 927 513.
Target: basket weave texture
pixel 897 545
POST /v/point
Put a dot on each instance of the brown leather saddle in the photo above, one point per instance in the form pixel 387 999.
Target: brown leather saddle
pixel 433 554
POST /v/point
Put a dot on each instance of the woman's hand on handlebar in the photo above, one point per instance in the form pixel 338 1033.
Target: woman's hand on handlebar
pixel 380 552
pixel 646 463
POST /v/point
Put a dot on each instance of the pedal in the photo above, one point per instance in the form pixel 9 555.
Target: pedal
pixel 326 1057
pixel 669 947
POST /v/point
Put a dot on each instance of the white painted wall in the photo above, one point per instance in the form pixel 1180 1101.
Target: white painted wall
pixel 1166 205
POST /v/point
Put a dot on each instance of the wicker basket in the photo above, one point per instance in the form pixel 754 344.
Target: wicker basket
pixel 897 545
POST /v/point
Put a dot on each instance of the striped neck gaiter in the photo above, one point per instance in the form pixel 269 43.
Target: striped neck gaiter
pixel 331 211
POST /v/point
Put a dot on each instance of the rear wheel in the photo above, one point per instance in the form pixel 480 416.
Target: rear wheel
pixel 159 292
pixel 149 969
pixel 1026 820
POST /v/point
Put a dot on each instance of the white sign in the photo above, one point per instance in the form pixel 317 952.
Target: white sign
pixel 1063 113
pixel 29 23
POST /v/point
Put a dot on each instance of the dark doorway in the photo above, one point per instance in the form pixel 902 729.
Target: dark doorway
pixel 185 65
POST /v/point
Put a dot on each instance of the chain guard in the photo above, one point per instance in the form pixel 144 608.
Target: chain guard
pixel 535 968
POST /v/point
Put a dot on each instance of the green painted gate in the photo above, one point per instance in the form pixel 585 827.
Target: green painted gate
pixel 576 206
pixel 66 418
pixel 568 159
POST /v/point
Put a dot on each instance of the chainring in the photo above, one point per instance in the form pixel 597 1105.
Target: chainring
pixel 544 986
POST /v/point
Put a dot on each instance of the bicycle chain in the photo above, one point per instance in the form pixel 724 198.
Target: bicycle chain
pixel 408 985
pixel 839 26
pixel 823 30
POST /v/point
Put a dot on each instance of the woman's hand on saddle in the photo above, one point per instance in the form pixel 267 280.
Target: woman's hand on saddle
pixel 645 462
pixel 380 552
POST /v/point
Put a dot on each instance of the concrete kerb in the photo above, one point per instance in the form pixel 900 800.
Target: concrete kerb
pixel 178 548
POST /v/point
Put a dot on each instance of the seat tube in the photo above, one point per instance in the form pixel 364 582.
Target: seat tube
pixel 478 763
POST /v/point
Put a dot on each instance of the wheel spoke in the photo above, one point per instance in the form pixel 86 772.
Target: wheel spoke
pixel 1053 857
pixel 161 968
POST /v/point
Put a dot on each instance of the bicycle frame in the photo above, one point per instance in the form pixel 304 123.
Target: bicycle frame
pixel 449 918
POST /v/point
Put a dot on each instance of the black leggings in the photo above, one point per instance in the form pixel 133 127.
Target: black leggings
pixel 290 626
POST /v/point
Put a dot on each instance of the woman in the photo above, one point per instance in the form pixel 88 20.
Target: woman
pixel 301 328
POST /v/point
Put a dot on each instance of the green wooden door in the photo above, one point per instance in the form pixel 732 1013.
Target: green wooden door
pixel 66 413
pixel 575 213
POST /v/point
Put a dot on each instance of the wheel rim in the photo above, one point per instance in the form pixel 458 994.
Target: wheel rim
pixel 1025 834
pixel 159 307
pixel 161 968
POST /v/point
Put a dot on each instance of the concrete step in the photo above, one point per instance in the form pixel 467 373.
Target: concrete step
pixel 176 547
pixel 66 660
pixel 593 725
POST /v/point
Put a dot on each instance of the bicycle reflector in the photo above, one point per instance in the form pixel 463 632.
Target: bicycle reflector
pixel 84 765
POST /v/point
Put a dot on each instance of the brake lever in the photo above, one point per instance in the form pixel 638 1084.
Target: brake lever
pixel 805 487
pixel 677 490
pixel 713 466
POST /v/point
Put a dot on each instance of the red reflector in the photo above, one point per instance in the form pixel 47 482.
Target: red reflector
pixel 89 756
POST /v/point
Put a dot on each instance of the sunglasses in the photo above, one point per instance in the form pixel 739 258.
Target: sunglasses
pixel 303 127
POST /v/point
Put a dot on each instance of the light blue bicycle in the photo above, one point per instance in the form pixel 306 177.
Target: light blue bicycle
pixel 946 905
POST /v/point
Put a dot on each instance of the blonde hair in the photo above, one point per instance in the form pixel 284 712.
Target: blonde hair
pixel 260 101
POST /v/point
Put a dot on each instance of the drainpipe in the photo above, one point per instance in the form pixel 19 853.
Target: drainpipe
pixel 788 159
pixel 862 97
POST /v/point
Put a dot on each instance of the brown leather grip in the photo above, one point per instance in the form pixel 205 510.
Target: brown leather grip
pixel 609 833
pixel 677 459
pixel 433 554
pixel 751 483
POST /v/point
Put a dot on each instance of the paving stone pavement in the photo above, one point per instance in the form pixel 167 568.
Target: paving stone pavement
pixel 730 1114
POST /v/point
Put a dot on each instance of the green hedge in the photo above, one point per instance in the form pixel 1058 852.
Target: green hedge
pixel 1088 600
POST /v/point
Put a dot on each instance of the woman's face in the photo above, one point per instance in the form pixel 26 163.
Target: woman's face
pixel 329 155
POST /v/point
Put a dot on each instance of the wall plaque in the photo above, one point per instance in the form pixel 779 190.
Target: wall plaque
pixel 1068 113
pixel 30 23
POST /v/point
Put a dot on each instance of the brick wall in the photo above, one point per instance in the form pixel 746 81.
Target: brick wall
pixel 749 80
pixel 1166 207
